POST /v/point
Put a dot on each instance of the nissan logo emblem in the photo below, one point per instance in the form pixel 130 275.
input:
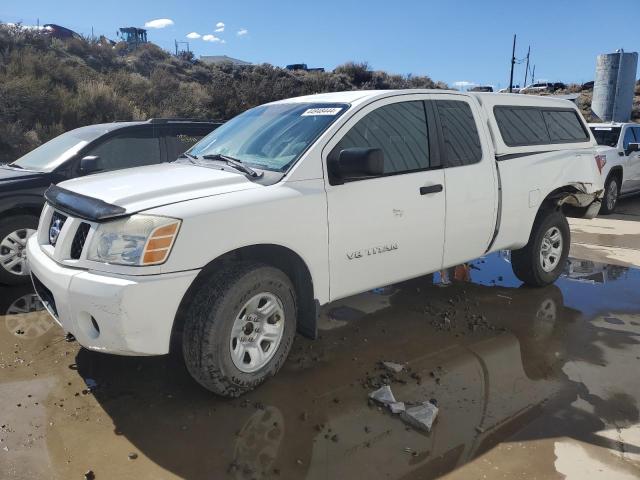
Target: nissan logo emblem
pixel 54 231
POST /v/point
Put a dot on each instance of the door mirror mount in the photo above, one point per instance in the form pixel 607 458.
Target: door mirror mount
pixel 356 163
pixel 90 164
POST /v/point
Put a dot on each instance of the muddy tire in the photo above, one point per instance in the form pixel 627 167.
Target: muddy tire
pixel 14 232
pixel 239 328
pixel 611 193
pixel 541 261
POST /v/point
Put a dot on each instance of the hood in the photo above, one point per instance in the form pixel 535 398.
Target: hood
pixel 142 188
pixel 9 174
pixel 604 149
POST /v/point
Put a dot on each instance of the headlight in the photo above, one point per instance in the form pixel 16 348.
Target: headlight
pixel 136 240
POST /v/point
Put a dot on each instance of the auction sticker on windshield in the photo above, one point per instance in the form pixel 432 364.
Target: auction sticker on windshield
pixel 321 111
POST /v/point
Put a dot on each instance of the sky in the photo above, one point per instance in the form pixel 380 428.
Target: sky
pixel 459 42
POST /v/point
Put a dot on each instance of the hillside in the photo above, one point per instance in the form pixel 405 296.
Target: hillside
pixel 49 86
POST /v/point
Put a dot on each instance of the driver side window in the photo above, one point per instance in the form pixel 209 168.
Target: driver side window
pixel 129 149
pixel 399 130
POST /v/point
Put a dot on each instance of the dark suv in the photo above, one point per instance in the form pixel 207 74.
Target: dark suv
pixel 96 148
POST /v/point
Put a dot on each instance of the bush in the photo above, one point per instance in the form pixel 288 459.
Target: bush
pixel 48 86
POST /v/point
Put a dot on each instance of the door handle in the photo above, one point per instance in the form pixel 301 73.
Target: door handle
pixel 430 189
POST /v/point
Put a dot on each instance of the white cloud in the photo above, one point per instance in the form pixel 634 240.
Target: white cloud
pixel 210 38
pixel 193 35
pixel 242 31
pixel 159 23
pixel 220 27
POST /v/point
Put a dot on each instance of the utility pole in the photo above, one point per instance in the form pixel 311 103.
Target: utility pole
pixel 526 70
pixel 513 62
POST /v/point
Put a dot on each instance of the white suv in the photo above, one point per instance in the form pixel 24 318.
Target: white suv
pixel 300 202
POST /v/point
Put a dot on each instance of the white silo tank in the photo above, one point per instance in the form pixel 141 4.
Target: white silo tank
pixel 614 86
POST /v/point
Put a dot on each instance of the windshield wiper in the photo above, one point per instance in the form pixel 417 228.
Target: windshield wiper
pixel 12 165
pixel 233 162
pixel 190 157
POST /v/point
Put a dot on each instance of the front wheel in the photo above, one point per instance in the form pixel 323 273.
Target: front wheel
pixel 541 261
pixel 240 328
pixel 611 193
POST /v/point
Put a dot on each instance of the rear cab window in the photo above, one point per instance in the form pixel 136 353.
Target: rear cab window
pixel 606 136
pixel 180 138
pixel 525 125
pixel 459 133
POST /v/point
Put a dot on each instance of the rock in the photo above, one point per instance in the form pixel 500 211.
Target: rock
pixel 383 395
pixel 397 407
pixel 421 416
pixel 132 456
pixel 334 438
pixel 69 338
pixel 392 366
pixel 89 475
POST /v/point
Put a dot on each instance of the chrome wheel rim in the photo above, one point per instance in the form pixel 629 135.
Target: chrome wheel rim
pixel 13 252
pixel 551 249
pixel 612 195
pixel 257 332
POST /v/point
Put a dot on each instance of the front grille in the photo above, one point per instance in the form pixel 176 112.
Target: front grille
pixel 45 295
pixel 79 240
pixel 57 222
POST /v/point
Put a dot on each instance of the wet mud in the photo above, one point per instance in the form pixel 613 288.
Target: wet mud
pixel 516 373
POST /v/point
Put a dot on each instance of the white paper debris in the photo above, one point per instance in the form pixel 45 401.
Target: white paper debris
pixel 421 417
pixel 383 395
pixel 397 407
pixel 394 367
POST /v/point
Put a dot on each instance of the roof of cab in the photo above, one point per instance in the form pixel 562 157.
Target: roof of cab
pixel 358 96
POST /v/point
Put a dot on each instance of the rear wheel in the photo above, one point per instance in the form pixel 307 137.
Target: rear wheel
pixel 14 233
pixel 541 261
pixel 611 193
pixel 240 328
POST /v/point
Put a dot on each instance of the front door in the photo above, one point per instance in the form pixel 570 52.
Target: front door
pixel 388 228
pixel 631 173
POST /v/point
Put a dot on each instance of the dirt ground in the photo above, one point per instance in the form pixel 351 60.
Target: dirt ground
pixel 530 383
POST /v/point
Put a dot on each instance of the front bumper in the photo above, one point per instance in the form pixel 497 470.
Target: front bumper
pixel 126 315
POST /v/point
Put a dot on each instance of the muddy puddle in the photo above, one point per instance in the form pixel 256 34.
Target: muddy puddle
pixel 509 367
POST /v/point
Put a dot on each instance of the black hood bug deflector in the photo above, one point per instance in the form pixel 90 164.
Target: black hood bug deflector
pixel 78 205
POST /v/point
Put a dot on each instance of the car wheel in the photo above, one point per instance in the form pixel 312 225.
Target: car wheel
pixel 239 328
pixel 541 261
pixel 611 193
pixel 14 233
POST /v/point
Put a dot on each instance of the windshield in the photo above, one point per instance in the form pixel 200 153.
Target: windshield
pixel 270 137
pixel 49 156
pixel 607 136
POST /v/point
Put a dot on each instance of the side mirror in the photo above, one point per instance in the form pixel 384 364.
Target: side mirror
pixel 90 164
pixel 633 147
pixel 356 163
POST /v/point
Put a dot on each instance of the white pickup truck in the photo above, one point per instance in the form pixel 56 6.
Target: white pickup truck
pixel 619 147
pixel 291 205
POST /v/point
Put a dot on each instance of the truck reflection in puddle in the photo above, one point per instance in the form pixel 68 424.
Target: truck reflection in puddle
pixel 491 354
